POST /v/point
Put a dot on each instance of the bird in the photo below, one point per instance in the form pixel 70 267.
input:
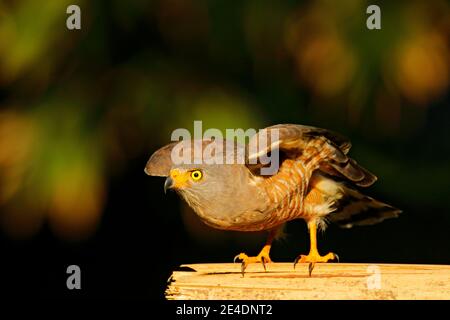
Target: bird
pixel 316 181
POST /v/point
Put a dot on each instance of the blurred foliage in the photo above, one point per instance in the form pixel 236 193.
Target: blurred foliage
pixel 77 106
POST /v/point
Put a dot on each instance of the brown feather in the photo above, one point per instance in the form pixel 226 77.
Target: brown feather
pixel 324 149
pixel 160 162
pixel 356 209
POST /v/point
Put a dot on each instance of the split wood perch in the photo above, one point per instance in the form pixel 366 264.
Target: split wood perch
pixel 334 281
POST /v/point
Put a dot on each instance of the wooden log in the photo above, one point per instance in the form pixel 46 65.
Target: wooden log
pixel 330 281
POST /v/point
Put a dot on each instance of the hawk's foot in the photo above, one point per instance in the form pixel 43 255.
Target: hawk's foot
pixel 314 257
pixel 262 257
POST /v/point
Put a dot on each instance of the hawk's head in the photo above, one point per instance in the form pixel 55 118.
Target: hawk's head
pixel 210 188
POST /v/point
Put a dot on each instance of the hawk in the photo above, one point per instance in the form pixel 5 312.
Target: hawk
pixel 316 181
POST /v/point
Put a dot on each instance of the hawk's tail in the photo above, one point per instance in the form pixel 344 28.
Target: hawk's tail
pixel 355 209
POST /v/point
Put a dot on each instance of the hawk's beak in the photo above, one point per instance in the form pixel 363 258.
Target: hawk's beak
pixel 168 184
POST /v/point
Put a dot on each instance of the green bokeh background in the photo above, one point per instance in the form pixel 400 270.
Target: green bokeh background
pixel 82 110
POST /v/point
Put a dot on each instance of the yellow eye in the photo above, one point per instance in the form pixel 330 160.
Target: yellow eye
pixel 196 175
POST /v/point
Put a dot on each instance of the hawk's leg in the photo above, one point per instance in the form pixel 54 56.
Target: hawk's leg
pixel 263 256
pixel 313 256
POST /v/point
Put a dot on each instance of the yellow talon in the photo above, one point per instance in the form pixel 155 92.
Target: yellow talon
pixel 263 257
pixel 314 257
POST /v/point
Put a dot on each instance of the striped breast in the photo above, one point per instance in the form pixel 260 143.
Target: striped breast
pixel 286 191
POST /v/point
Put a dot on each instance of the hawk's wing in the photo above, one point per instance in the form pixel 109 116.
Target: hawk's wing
pixel 328 148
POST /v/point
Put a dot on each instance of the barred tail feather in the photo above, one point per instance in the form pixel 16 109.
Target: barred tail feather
pixel 356 209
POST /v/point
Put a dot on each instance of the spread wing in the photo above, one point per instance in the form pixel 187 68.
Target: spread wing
pixel 327 147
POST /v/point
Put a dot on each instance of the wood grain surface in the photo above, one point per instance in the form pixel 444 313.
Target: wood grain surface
pixel 328 281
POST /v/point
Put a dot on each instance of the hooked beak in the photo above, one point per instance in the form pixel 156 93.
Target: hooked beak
pixel 168 184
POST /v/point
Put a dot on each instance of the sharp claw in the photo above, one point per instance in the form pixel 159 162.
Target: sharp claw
pixel 264 264
pixel 336 257
pixel 310 268
pixel 246 260
pixel 295 261
pixel 243 269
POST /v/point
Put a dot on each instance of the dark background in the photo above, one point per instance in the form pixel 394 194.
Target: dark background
pixel 81 111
